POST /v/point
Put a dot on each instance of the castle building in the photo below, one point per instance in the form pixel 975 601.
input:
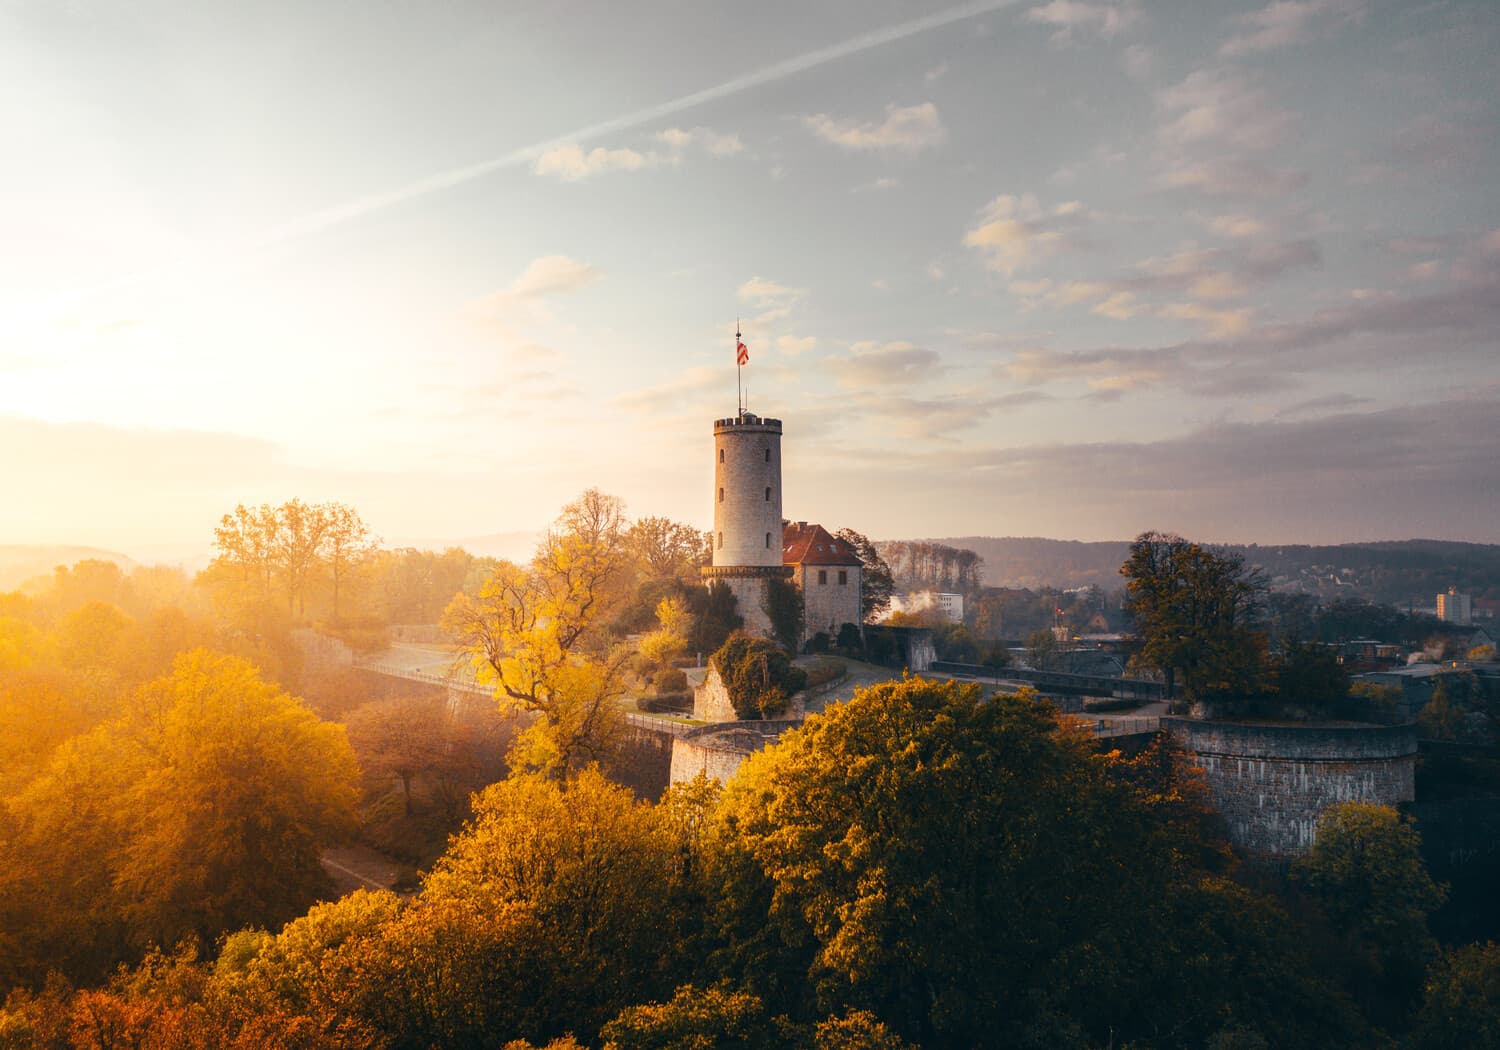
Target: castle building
pixel 827 572
pixel 747 513
pixel 753 544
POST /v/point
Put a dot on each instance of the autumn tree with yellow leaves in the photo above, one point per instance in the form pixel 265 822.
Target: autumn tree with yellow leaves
pixel 537 634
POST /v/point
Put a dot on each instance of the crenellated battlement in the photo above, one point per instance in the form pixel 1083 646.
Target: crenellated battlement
pixel 747 421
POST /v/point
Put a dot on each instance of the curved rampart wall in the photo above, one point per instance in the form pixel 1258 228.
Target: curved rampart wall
pixel 1272 782
pixel 718 750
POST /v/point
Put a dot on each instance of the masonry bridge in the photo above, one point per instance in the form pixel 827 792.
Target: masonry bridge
pixel 463 690
pixel 1061 681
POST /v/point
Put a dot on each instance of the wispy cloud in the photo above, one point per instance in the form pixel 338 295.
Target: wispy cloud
pixel 572 163
pixel 896 363
pixel 1073 18
pixel 1216 127
pixel 1016 230
pixel 715 143
pixel 774 300
pixel 1286 22
pixel 909 129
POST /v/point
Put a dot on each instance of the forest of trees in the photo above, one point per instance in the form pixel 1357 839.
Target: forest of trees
pixel 1090 901
pixel 921 865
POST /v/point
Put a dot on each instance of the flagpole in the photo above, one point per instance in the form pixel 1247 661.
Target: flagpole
pixel 739 390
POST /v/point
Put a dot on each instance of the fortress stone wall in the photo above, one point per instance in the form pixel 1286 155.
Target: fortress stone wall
pixel 1272 782
pixel 719 750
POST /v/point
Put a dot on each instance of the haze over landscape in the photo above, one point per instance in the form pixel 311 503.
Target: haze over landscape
pixel 1065 269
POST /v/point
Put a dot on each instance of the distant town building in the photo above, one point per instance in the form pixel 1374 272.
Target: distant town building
pixel 951 606
pixel 1455 608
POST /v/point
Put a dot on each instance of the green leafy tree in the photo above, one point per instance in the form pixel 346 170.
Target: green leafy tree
pixel 1043 651
pixel 786 609
pixel 758 675
pixel 1194 611
pixel 1310 676
pixel 715 617
pixel 1461 1008
pixel 1366 873
pixel 203 807
pixel 875 582
pixel 664 548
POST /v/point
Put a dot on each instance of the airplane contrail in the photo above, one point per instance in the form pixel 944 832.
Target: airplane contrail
pixel 361 206
pixel 340 214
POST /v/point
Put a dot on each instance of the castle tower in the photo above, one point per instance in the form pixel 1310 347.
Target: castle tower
pixel 747 537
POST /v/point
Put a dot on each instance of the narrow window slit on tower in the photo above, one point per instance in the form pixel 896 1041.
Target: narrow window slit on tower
pixel 721 495
pixel 768 494
pixel 721 455
pixel 768 455
pixel 768 541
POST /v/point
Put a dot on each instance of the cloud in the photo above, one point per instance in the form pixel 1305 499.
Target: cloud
pixel 1286 22
pixel 571 164
pixel 1241 358
pixel 909 129
pixel 1213 274
pixel 794 346
pixel 552 275
pixel 715 143
pixel 1016 231
pixel 1237 226
pixel 885 182
pixel 1139 62
pixel 1221 109
pixel 1320 406
pixel 1215 127
pixel 775 301
pixel 935 73
pixel 938 418
pixel 1221 324
pixel 1073 17
pixel 884 364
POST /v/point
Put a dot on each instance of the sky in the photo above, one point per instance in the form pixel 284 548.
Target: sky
pixel 1061 268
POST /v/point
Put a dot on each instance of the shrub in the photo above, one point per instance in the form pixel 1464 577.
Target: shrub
pixel 758 675
pixel 672 680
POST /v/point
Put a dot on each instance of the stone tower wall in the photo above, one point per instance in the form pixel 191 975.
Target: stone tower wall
pixel 747 492
pixel 1272 782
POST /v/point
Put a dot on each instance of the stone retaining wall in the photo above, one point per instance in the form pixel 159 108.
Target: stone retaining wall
pixel 1271 782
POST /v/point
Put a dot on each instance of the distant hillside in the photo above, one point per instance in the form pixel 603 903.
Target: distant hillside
pixel 20 562
pixel 1398 571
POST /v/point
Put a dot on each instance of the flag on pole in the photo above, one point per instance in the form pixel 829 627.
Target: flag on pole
pixel 742 355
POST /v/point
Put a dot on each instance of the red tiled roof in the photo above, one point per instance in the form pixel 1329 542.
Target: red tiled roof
pixel 804 544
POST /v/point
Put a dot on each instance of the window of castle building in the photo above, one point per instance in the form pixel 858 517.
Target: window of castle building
pixel 721 538
pixel 768 541
pixel 721 495
pixel 768 455
pixel 822 575
pixel 768 494
pixel 843 576
pixel 721 455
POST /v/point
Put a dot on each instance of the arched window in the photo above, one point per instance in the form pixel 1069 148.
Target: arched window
pixel 721 495
pixel 768 541
pixel 721 455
